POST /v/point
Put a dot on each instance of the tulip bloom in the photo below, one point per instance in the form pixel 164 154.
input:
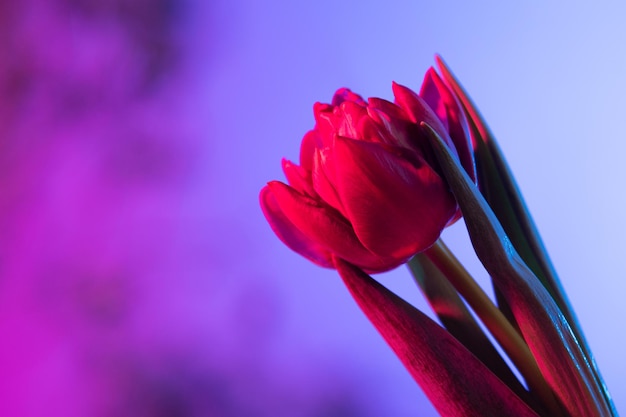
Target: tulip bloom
pixel 367 188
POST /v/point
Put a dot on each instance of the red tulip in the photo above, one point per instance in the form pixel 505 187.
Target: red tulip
pixel 367 188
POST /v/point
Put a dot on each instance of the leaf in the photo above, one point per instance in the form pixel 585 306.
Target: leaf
pixel 455 381
pixel 498 186
pixel 547 332
pixel 504 333
pixel 500 190
pixel 457 319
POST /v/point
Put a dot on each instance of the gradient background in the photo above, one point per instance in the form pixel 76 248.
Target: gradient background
pixel 137 274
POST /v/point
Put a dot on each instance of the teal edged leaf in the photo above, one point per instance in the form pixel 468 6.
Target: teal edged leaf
pixel 454 315
pixel 501 192
pixel 543 326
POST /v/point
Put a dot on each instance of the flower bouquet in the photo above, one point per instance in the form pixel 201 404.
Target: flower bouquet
pixel 376 185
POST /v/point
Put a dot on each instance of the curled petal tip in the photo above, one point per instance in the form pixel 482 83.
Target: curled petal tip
pixel 345 94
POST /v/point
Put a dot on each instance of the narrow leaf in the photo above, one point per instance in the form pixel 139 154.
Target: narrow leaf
pixel 500 328
pixel 499 188
pixel 541 322
pixel 457 319
pixel 455 381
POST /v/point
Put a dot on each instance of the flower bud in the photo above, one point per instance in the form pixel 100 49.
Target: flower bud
pixel 367 188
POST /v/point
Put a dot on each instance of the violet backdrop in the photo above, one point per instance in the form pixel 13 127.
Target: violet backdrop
pixel 138 276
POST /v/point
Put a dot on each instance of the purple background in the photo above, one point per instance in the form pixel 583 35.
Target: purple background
pixel 137 274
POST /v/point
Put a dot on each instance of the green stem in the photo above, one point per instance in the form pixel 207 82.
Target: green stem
pixel 501 329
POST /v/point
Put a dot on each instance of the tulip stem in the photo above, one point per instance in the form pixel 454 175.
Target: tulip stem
pixel 501 329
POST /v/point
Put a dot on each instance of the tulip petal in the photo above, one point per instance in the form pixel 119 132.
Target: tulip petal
pixel 325 123
pixel 437 95
pixel 322 224
pixel 396 207
pixel 374 131
pixel 323 174
pixel 549 336
pixel 289 234
pixel 310 142
pixel 345 94
pixel 298 178
pixel 455 381
pixel 392 130
pixel 348 116
pixel 419 111
pixel 388 108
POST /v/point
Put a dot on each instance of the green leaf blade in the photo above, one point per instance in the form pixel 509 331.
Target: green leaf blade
pixel 457 319
pixel 545 329
pixel 500 190
pixel 455 381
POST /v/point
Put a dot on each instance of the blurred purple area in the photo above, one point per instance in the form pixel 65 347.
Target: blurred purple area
pixel 124 285
pixel 137 274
